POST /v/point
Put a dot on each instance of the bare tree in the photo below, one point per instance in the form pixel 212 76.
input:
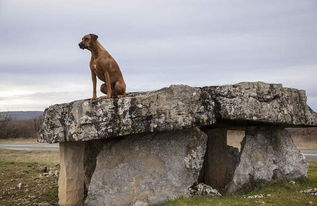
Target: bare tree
pixel 4 123
pixel 13 128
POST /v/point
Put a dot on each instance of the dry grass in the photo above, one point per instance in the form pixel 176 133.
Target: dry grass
pixel 18 141
pixel 235 137
pixel 301 144
pixel 36 187
pixel 46 157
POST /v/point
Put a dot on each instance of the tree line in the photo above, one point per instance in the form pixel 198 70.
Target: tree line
pixel 13 128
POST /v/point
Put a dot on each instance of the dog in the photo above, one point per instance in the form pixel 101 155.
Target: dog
pixel 103 66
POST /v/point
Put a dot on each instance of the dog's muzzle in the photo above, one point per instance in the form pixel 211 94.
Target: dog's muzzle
pixel 81 46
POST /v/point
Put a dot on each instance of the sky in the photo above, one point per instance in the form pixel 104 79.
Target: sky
pixel 156 43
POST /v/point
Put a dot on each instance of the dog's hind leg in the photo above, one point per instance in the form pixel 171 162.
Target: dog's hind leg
pixel 119 89
pixel 103 88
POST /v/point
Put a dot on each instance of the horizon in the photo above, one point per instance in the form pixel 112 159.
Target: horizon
pixel 197 43
pixel 8 111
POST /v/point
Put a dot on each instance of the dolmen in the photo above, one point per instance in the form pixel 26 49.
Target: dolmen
pixel 151 147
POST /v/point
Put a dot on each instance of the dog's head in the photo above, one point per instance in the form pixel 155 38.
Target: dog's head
pixel 87 41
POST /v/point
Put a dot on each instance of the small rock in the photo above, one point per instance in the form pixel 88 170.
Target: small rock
pixel 258 196
pixel 292 182
pixel 44 204
pixel 45 170
pixel 44 175
pixel 203 189
pixel 50 173
pixel 27 190
pixel 310 202
pixel 312 191
pixel 140 203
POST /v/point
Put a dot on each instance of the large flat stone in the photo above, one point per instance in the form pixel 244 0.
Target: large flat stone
pixel 177 107
pixel 258 102
pixel 148 169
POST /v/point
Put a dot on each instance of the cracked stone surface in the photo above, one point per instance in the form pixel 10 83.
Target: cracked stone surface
pixel 261 102
pixel 174 108
pixel 267 153
pixel 147 168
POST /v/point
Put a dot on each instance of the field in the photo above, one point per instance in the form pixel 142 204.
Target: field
pixel 39 185
pixel 304 138
pixel 28 178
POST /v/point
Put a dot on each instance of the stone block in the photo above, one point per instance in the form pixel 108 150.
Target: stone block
pixel 149 169
pixel 71 177
pixel 267 153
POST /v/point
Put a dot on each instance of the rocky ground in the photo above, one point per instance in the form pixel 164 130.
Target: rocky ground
pixel 28 184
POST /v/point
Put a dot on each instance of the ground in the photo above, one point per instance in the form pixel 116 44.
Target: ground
pixel 37 173
pixel 278 194
pixel 27 184
pixel 39 185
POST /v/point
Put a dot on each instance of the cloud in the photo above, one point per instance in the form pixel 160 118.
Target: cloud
pixel 156 43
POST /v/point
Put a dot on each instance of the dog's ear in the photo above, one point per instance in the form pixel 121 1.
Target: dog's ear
pixel 94 37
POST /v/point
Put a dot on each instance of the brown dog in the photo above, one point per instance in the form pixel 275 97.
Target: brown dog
pixel 104 67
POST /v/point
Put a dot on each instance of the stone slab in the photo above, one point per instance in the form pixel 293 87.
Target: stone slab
pixel 267 153
pixel 147 168
pixel 71 177
pixel 174 108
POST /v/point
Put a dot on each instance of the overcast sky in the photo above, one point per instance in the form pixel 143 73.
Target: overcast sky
pixel 156 43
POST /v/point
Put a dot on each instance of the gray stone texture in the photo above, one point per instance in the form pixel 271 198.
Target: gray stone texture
pixel 258 102
pixel 174 108
pixel 147 168
pixel 220 161
pixel 267 153
pixel 71 177
pixel 146 148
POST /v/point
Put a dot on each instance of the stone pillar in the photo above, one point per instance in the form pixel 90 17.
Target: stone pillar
pixel 71 178
pixel 267 153
pixel 216 158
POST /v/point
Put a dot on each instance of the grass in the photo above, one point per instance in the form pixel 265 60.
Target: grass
pixel 281 194
pixel 45 157
pixel 305 144
pixel 18 141
pixel 35 187
pixel 235 137
pixel 26 167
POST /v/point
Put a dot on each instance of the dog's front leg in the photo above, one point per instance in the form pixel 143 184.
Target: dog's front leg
pixel 108 83
pixel 94 84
